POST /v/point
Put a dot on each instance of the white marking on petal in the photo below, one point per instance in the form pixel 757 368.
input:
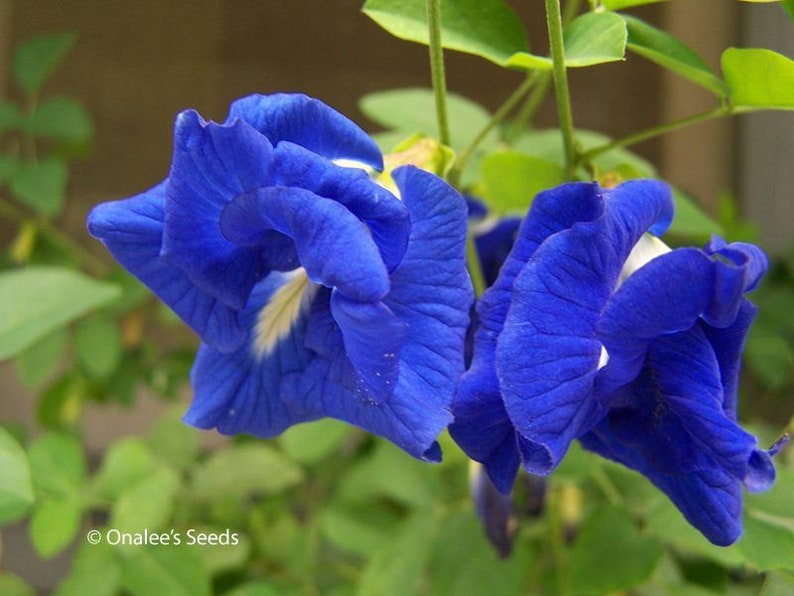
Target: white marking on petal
pixel 286 305
pixel 648 247
pixel 603 359
pixel 352 163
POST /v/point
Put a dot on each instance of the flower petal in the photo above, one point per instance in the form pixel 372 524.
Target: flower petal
pixel 482 427
pixel 240 392
pixel 385 215
pixel 307 122
pixel 674 291
pixel 211 165
pixel 132 230
pixel 672 428
pixel 333 246
pixel 372 337
pixel 556 304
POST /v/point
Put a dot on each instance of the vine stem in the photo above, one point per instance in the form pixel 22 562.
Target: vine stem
pixel 654 131
pixel 554 23
pixel 437 68
pixel 473 264
pixel 509 104
pixel 91 262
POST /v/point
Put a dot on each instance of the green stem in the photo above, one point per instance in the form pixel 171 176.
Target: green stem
pixel 654 131
pixel 527 112
pixel 473 263
pixel 91 262
pixel 509 104
pixel 554 22
pixel 557 543
pixel 437 68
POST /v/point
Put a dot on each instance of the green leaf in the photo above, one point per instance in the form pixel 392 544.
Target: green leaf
pixel 57 464
pixel 60 118
pixel 510 180
pixel 230 552
pixel 176 571
pixel 621 4
pixel 11 585
pixel 780 583
pixel 668 52
pixel 96 570
pixel 148 504
pixel 608 530
pixel 758 78
pixel 397 567
pixel 485 28
pixel 127 462
pixel 590 39
pixel 98 344
pixel 768 539
pixel 690 220
pixel 463 562
pixel 41 185
pixel 173 441
pixel 36 363
pixel 39 300
pixel 408 482
pixel 8 167
pixel 61 403
pixel 36 59
pixel 242 470
pixel 412 110
pixel 54 524
pixel 788 6
pixel 16 488
pixel 359 528
pixel 11 116
pixel 312 442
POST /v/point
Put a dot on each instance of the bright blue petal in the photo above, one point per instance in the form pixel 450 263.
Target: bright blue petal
pixel 548 353
pixel 482 427
pixel 212 164
pixel 240 392
pixel 132 231
pixel 333 246
pixel 671 427
pixel 728 345
pixel 372 337
pixel 307 122
pixel 385 215
pixel 307 373
pixel 674 291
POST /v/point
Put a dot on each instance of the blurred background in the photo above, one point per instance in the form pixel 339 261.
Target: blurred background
pixel 136 64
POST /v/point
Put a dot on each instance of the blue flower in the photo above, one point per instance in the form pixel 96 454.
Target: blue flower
pixel 315 291
pixel 595 330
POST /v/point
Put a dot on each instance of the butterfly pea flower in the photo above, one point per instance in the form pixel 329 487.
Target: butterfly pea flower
pixel 315 291
pixel 597 331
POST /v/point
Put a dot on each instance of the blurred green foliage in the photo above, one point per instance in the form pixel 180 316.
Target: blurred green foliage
pixel 326 509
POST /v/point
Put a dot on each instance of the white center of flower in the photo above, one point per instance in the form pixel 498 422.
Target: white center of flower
pixel 603 359
pixel 648 247
pixel 352 163
pixel 286 305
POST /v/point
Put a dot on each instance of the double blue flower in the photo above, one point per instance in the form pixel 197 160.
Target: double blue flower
pixel 594 330
pixel 315 291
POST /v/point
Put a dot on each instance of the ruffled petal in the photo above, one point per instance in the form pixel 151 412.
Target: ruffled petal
pixel 548 354
pixel 307 122
pixel 671 426
pixel 385 215
pixel 668 294
pixel 307 373
pixel 482 427
pixel 372 337
pixel 333 246
pixel 211 165
pixel 132 230
pixel 240 392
